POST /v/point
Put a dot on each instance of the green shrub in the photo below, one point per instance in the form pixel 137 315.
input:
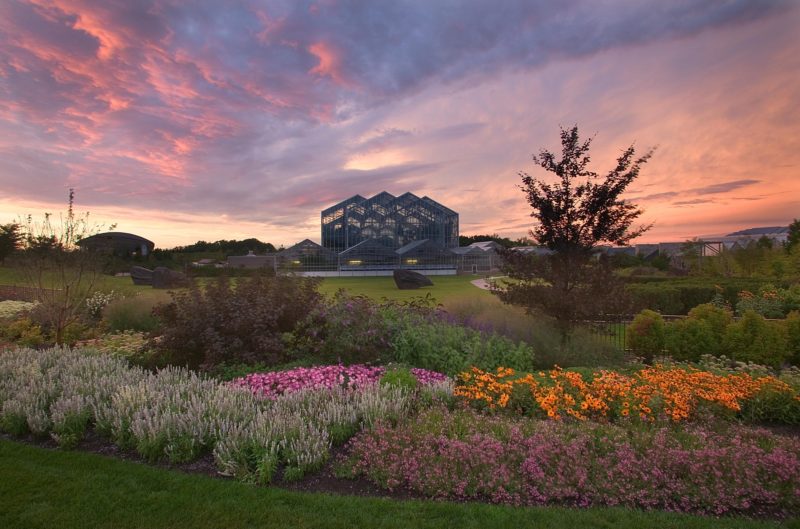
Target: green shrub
pixel 689 339
pixel 646 334
pixel 718 318
pixel 247 322
pixel 753 339
pixel 450 349
pixel 347 329
pixel 792 324
pixel 24 331
pixel 399 377
pixel 662 298
pixel 130 314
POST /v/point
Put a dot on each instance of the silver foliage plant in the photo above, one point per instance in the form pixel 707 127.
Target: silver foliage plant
pixel 177 415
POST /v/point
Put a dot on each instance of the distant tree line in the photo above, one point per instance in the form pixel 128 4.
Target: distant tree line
pixel 505 242
pixel 223 247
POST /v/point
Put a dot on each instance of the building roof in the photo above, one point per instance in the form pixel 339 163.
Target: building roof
pixel 117 239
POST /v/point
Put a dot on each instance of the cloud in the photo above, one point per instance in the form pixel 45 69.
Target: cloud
pixel 722 187
pixel 256 110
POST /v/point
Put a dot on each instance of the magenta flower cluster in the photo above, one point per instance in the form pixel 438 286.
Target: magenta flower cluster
pixel 276 383
pixel 461 455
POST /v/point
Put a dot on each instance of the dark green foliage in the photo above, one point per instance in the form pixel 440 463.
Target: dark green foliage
pixel 347 329
pixel 248 321
pixel 662 298
pixel 753 339
pixel 130 314
pixel 646 334
pixel 10 240
pixel 678 296
pixel 225 247
pixel 689 339
pixel 451 349
pixel 793 337
pixel 574 215
pixel 794 236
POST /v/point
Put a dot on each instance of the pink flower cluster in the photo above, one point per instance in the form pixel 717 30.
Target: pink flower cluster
pixel 463 455
pixel 276 383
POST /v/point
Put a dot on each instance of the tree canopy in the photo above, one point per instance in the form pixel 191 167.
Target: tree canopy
pixel 574 215
pixel 581 209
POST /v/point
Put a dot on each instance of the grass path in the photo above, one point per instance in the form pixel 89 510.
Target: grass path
pixel 42 488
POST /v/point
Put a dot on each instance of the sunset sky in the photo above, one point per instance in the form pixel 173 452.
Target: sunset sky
pixel 181 121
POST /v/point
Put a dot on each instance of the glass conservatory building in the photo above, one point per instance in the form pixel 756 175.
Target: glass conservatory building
pixel 386 231
pixel 392 221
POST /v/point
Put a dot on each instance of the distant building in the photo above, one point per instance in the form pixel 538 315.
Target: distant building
pixel 251 261
pixel 118 243
pixel 389 220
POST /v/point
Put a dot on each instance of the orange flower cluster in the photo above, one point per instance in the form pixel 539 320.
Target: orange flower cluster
pixel 675 393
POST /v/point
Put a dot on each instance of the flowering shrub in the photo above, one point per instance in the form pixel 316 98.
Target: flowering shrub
pixel 276 383
pixel 652 393
pixel 462 455
pixel 11 308
pixel 97 302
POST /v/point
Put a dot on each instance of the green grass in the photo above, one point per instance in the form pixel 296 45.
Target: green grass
pixel 105 283
pixel 50 488
pixel 445 289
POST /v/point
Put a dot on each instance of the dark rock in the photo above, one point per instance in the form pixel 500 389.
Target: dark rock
pixel 409 280
pixel 166 278
pixel 141 275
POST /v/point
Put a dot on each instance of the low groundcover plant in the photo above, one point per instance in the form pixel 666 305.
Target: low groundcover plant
pixel 466 455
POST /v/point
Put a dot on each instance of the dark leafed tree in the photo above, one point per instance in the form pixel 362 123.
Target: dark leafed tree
pixel 575 214
pixel 10 240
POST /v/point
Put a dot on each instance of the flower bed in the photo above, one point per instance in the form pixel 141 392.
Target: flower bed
pixel 276 383
pixel 649 394
pixel 176 415
pixel 466 455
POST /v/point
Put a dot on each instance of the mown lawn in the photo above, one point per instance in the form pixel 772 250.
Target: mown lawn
pixel 43 488
pixel 445 289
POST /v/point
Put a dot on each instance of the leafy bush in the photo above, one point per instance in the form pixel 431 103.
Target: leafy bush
pixel 347 329
pixel 399 377
pixel 661 298
pixel 756 340
pixel 646 334
pixel 449 348
pixel 770 302
pixel 249 321
pixel 24 331
pixel 689 339
pixel 702 332
pixel 792 324
pixel 130 314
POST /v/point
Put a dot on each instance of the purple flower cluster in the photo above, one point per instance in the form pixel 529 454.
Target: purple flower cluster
pixel 276 383
pixel 465 456
pixel 426 376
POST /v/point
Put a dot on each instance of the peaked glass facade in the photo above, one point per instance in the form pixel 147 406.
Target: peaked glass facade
pixel 392 221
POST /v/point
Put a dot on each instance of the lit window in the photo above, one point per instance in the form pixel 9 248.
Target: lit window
pixel 296 261
pixel 411 261
pixel 354 262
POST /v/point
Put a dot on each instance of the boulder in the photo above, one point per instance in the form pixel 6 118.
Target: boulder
pixel 166 278
pixel 141 275
pixel 409 280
